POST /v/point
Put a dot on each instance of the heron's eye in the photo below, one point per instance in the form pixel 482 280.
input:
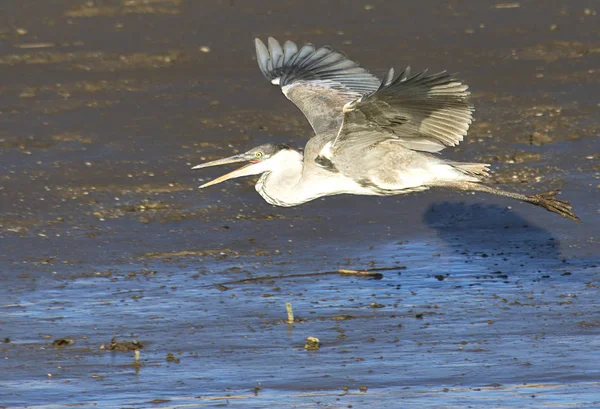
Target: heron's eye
pixel 258 154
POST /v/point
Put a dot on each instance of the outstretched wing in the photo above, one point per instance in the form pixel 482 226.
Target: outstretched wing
pixel 319 81
pixel 422 112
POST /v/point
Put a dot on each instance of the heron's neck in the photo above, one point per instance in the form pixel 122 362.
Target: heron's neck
pixel 281 185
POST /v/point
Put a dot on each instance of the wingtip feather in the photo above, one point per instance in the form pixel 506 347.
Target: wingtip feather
pixel 276 52
pixel 262 56
pixel 389 78
pixel 288 63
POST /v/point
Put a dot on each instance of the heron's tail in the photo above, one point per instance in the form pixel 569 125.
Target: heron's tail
pixel 471 169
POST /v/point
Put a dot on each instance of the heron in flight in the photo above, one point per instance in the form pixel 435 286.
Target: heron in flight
pixel 372 137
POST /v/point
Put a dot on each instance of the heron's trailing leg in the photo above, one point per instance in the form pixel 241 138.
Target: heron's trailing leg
pixel 547 200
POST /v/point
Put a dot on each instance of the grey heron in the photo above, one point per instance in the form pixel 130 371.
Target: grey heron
pixel 372 137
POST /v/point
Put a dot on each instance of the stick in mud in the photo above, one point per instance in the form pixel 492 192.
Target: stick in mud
pixel 346 272
pixel 341 271
pixel 290 313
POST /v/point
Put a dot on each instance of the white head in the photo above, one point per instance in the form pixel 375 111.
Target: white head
pixel 263 158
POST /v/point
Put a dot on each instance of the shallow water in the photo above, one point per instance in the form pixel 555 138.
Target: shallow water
pixel 480 302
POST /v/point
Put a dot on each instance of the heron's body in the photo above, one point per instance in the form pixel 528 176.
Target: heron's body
pixel 372 137
pixel 291 185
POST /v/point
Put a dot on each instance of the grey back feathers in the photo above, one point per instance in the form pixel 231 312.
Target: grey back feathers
pixel 422 112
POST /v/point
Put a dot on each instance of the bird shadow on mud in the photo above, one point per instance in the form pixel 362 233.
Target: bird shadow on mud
pixel 491 231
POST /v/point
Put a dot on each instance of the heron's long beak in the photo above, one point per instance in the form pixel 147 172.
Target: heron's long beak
pixel 243 171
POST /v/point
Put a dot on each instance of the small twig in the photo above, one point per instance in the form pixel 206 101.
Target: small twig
pixel 34 45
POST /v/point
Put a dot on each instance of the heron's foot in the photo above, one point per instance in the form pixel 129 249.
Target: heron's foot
pixel 548 201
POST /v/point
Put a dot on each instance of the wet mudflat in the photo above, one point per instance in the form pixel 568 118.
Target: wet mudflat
pixel 108 247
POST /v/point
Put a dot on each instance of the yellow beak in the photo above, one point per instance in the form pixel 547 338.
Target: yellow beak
pixel 243 171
